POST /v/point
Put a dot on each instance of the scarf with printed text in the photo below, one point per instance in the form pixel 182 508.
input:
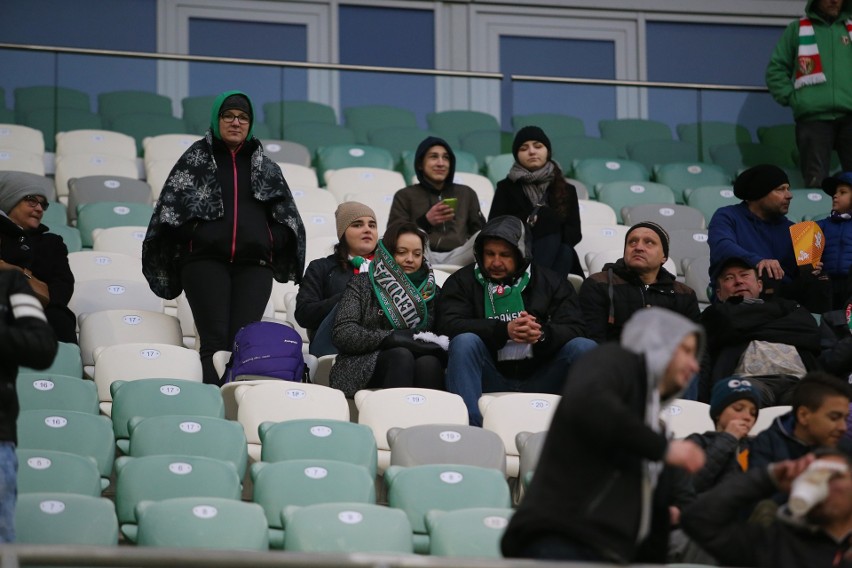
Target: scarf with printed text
pixel 403 302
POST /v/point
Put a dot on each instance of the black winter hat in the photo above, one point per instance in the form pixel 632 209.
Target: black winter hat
pixel 530 133
pixel 758 181
pixel 236 102
pixel 661 232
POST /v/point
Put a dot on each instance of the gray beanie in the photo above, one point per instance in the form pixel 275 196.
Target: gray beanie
pixel 14 186
pixel 346 214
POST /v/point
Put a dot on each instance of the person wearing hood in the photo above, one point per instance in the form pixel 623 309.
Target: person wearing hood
pixel 814 533
pixel 513 325
pixel 635 281
pixel 602 488
pixel 535 191
pixel 27 247
pixel 809 72
pixel 224 226
pixel 448 212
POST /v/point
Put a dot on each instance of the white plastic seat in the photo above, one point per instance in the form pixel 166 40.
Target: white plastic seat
pixel 126 240
pixel 384 409
pixel 20 137
pixel 684 417
pixel 156 174
pixel 359 180
pixel 81 165
pixel 106 294
pixel 767 416
pixel 98 265
pixel 319 224
pixel 379 201
pixel 600 238
pixel 511 413
pixel 166 147
pixel 596 213
pixel 319 247
pixel 309 198
pixel 290 310
pixel 13 159
pixel 298 175
pixel 109 327
pixel 95 142
pixel 134 361
pixel 481 185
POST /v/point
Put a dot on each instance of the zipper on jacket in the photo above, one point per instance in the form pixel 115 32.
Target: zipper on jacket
pixel 236 206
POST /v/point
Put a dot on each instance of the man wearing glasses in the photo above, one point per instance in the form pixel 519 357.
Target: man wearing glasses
pixel 27 247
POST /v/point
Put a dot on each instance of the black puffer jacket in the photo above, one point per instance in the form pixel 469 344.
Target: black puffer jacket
pixel 720 451
pixel 25 339
pixel 320 290
pixel 610 297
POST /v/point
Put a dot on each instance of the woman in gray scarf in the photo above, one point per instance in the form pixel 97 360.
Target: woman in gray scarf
pixel 536 192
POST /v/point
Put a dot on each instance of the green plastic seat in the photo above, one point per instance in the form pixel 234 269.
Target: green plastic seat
pixel 32 98
pixel 709 198
pixel 57 214
pixel 53 120
pixel 596 171
pixel 781 136
pixel 279 115
pixel 159 397
pixel 188 434
pixel 420 489
pixel 42 391
pixel 398 139
pixel 711 133
pixel 60 472
pixel 156 478
pixel 621 132
pixel 456 123
pixel 117 103
pixel 555 125
pixel 347 528
pixel 497 168
pixel 808 204
pixel 68 361
pixel 621 194
pixel 196 112
pixel 65 518
pixel 69 431
pixel 7 116
pixel 201 522
pixel 734 158
pixel 352 156
pixel 472 532
pixel 70 236
pixel 104 214
pixel 307 482
pixel 569 150
pixel 318 439
pixel 143 125
pixel 689 175
pixel 482 143
pixel 365 119
pixel 315 135
pixel 654 153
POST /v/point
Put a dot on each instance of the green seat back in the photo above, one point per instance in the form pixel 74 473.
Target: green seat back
pixel 619 194
pixel 315 135
pixel 709 198
pixel 202 522
pixel 40 390
pixel 681 176
pixel 622 132
pixel 65 518
pixel 653 153
pixel 319 439
pixel 569 150
pixel 482 143
pixel 808 204
pixel 456 123
pixel 398 139
pixel 68 361
pixel 196 113
pixel 42 471
pixel 37 97
pixel 340 156
pixel 279 115
pixel 467 532
pixel 497 168
pixel 347 528
pixel 143 125
pixel 62 119
pixel 363 120
pixel 117 103
pixel 707 134
pixel 781 136
pixel 70 236
pixel 597 171
pixel 734 158
pixel 555 125
pixel 104 214
pixel 56 214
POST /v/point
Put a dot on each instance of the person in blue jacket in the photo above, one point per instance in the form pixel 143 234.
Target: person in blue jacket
pixel 837 254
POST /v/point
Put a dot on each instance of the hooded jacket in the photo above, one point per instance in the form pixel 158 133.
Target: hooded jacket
pixel 610 297
pixel 413 202
pixel 825 101
pixel 715 523
pixel 777 443
pixel 587 485
pixel 229 206
pixel 548 297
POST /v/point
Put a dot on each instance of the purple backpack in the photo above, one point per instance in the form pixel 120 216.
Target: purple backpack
pixel 267 349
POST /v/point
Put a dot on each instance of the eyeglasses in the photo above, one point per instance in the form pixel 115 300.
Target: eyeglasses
pixel 33 200
pixel 241 118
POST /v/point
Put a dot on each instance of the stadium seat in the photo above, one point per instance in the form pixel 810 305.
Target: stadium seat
pixel 483 144
pixel 319 224
pixel 685 417
pixel 96 295
pixel 684 176
pixel 596 213
pixel 94 265
pixel 313 199
pixel 82 165
pixel 596 171
pixel 39 97
pixel 497 167
pixel 734 158
pixel 621 132
pixel 19 137
pixel 12 159
pixel 188 434
pixel 315 135
pixel 41 471
pixel 93 189
pixel 157 478
pixel 111 327
pixel 67 362
pixel 398 139
pixel 767 416
pixel 670 217
pixel 446 444
pixel 384 409
pixel 696 274
pixel 420 489
pixel 201 523
pixel 624 194
pixel 686 245
pixel 655 153
pixel 340 156
pixel 196 112
pixel 284 151
pixel 569 150
pixel 114 104
pixel 87 141
pixel 55 518
pixel 307 482
pixel 156 174
pixel 166 147
pixel 555 125
pixel 363 120
pixel 481 185
pixel 124 240
pixel 598 238
pixel 43 391
pixel 474 532
pixel 52 121
pixel 808 204
pixel 456 123
pixel 529 450
pixel 313 438
pixel 709 198
pixel 707 134
pixel 283 114
pixel 69 431
pixel 516 412
pixel 782 136
pixel 357 180
pixel 104 214
pixel 347 528
pixel 379 202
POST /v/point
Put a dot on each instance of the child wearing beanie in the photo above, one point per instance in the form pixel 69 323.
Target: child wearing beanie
pixel 837 228
pixel 734 405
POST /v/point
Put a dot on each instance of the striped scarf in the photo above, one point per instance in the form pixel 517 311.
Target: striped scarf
pixel 809 66
pixel 403 302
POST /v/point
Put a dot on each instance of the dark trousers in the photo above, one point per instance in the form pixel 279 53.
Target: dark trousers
pixel 223 297
pixel 556 547
pixel 398 367
pixel 816 139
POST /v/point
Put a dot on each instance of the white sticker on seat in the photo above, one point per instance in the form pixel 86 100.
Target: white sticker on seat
pixel 321 431
pixel 132 319
pixel 116 289
pixel 316 472
pixel 112 183
pixel 39 463
pixel 180 468
pixel 170 390
pixel 350 517
pixel 637 188
pixel 52 507
pixel 43 385
pixel 121 210
pixel 667 211
pixel 539 404
pixel 451 477
pixel 694 169
pixel 613 166
pixel 56 421
pixel 295 394
pixel 103 260
pixel 356 152
pixel 450 436
pixel 190 427
pixel 150 354
pixel 415 399
pixel 494 522
pixel 205 511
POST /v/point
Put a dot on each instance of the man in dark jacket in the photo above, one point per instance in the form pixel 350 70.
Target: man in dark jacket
pixel 635 281
pixel 447 211
pixel 819 538
pixel 514 325
pixel 740 318
pixel 601 491
pixel 25 339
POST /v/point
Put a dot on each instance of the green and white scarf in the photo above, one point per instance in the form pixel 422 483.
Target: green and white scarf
pixel 505 303
pixel 404 303
pixel 808 63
